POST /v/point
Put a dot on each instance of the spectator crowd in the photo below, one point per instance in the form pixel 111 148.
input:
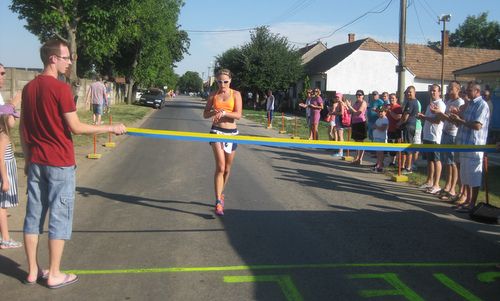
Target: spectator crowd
pixel 459 117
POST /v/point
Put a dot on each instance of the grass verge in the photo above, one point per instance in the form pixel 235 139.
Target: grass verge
pixel 121 113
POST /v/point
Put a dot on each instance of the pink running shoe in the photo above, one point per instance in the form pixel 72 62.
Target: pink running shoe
pixel 219 207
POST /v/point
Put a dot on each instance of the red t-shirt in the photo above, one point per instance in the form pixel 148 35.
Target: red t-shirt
pixel 396 109
pixel 48 136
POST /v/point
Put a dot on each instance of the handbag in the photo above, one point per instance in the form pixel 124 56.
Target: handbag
pixel 485 213
pixel 346 117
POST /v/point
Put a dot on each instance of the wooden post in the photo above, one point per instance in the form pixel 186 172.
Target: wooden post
pixel 295 130
pixel 94 155
pixel 109 143
pixel 282 123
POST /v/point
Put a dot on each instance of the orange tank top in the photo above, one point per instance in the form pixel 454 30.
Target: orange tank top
pixel 227 105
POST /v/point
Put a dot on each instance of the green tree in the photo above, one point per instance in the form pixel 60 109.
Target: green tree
pixel 150 44
pixel 232 59
pixel 307 86
pixel 92 23
pixel 136 38
pixel 190 82
pixel 266 62
pixel 475 32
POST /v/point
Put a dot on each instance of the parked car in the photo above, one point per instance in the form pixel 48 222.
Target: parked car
pixel 153 98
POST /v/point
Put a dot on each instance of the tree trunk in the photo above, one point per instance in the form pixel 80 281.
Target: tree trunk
pixel 130 97
pixel 130 92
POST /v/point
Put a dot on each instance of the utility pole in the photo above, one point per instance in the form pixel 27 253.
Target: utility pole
pixel 402 51
pixel 444 19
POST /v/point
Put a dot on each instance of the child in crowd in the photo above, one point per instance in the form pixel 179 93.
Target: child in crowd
pixel 380 135
pixel 332 132
pixel 8 174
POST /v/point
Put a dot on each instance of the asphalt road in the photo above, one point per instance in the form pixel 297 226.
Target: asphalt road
pixel 299 225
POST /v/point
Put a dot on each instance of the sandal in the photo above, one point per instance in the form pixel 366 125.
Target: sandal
pixel 42 275
pixel 466 208
pixel 460 201
pixel 447 196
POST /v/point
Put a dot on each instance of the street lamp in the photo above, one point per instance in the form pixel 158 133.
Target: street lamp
pixel 444 19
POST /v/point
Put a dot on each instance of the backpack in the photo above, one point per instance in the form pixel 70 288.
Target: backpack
pixel 346 117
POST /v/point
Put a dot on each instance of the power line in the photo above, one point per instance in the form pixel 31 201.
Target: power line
pixel 419 24
pixel 433 11
pixel 363 15
pixel 432 17
pixel 293 9
pixel 220 31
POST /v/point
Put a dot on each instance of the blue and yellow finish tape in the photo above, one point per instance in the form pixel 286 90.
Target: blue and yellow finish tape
pixel 287 142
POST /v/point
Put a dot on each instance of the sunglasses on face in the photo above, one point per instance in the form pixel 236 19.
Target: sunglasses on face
pixel 359 94
pixel 223 82
pixel 66 58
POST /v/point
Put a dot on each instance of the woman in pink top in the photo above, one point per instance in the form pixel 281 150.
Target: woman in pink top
pixel 358 125
pixel 316 107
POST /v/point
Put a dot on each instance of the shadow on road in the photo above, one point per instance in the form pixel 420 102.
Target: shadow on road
pixel 303 243
pixel 10 268
pixel 142 201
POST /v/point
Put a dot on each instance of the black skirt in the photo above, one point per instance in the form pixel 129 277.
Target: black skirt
pixel 358 131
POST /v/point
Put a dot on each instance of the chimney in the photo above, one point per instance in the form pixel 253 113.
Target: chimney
pixel 445 40
pixel 351 37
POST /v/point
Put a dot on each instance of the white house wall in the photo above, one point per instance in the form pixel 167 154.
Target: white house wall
pixel 366 70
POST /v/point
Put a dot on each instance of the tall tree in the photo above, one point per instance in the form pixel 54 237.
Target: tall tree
pixel 266 62
pixel 151 44
pixel 190 82
pixel 232 59
pixel 475 32
pixel 89 22
pixel 138 38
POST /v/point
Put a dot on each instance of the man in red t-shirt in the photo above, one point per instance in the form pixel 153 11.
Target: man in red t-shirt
pixel 47 121
pixel 393 131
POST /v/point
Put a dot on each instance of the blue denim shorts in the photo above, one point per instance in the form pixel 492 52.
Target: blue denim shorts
pixel 50 189
pixel 97 109
pixel 448 157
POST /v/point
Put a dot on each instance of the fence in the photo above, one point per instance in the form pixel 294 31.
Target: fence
pixel 17 78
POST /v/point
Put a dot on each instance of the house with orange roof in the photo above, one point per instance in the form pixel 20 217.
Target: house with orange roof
pixel 371 65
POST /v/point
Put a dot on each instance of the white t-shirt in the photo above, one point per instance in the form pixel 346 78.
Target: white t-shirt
pixel 433 131
pixel 379 134
pixel 1 100
pixel 449 127
pixel 270 103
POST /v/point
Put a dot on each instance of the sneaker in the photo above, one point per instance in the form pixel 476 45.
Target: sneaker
pixel 392 164
pixel 433 190
pixel 377 169
pixel 219 207
pixel 425 186
pixel 338 155
pixel 10 244
pixel 407 171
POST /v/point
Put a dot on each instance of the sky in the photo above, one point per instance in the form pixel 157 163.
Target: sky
pixel 216 26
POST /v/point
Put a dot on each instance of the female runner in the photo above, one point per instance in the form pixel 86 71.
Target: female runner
pixel 224 107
